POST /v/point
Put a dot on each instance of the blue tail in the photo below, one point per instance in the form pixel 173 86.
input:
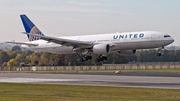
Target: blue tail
pixel 30 28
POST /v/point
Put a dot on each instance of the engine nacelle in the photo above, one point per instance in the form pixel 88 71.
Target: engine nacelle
pixel 127 52
pixel 101 49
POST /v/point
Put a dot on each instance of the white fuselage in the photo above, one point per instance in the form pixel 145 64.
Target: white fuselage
pixel 120 41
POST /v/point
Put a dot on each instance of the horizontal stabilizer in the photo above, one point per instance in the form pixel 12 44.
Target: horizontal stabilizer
pixel 21 43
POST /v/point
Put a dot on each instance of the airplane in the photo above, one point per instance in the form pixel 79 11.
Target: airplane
pixel 126 43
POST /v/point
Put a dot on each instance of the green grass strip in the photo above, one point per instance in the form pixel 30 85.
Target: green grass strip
pixel 43 92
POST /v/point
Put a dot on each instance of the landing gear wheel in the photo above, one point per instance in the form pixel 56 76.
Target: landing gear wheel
pixel 81 60
pixel 159 51
pixel 97 60
pixel 104 58
pixel 101 58
pixel 89 57
pixel 85 58
pixel 159 54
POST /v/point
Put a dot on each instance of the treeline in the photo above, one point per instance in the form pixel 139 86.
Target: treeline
pixel 16 57
pixel 151 56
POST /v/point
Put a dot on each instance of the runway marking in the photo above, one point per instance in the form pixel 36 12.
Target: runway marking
pixel 32 80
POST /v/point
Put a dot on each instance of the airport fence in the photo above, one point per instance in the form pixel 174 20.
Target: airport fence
pixel 169 65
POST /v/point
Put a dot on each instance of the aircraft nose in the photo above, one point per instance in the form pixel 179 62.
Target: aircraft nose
pixel 169 41
pixel 172 40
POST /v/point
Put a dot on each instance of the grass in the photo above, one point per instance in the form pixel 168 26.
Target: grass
pixel 68 71
pixel 42 92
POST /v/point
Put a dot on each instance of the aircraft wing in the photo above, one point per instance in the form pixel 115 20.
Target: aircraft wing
pixel 64 42
pixel 21 43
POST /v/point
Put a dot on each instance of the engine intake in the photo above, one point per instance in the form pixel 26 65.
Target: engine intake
pixel 101 49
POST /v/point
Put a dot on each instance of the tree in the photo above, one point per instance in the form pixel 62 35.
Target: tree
pixel 4 64
pixel 35 60
pixel 27 59
pixel 151 56
pixel 12 55
pixel 115 58
pixel 45 58
pixel 4 57
pixel 178 55
pixel 35 54
pixel 8 51
pixel 27 53
pixel 51 61
pixel 22 64
pixel 59 60
pixel 13 62
pixel 16 48
pixel 40 63
pixel 19 57
pixel 46 55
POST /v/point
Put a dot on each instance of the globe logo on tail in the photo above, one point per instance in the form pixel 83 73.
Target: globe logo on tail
pixel 35 30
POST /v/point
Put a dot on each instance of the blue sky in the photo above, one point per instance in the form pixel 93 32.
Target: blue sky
pixel 77 17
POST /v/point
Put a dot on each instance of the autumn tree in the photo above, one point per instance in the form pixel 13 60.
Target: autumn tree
pixel 59 59
pixel 13 62
pixel 27 53
pixel 4 64
pixel 12 55
pixel 45 58
pixel 27 59
pixel 35 58
pixel 19 57
pixel 36 54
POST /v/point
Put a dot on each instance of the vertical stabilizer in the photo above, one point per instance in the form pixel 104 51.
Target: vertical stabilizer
pixel 30 28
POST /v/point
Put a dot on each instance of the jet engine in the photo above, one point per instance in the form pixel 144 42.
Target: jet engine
pixel 101 49
pixel 127 52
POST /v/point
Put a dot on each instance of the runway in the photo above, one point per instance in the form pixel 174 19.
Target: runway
pixel 128 79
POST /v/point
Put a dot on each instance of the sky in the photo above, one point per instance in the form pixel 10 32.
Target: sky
pixel 59 18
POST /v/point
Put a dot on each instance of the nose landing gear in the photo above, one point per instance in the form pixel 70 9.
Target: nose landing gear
pixel 159 51
pixel 159 54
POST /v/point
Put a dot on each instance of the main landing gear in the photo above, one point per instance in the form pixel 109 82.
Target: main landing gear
pixel 85 58
pixel 101 58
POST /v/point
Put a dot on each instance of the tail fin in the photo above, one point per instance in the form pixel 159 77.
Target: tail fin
pixel 30 28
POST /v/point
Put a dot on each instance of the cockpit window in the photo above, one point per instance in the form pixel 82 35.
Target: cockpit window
pixel 165 36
